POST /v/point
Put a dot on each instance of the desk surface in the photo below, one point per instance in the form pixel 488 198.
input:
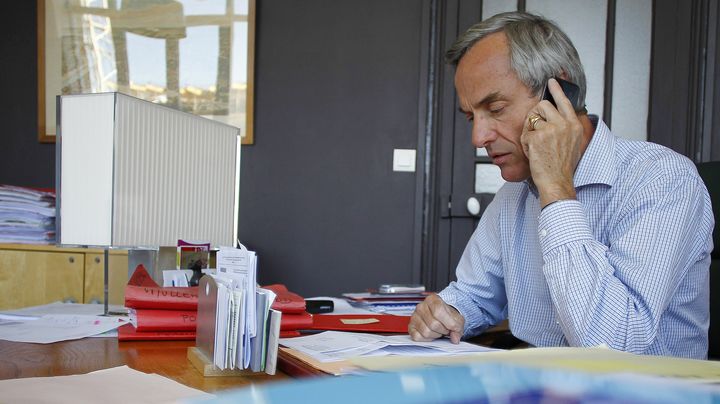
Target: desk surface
pixel 166 358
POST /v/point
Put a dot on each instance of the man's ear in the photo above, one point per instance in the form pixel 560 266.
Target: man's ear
pixel 564 75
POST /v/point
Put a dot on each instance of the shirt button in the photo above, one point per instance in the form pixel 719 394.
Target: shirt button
pixel 543 233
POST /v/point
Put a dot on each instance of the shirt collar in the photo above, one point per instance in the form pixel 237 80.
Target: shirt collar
pixel 597 164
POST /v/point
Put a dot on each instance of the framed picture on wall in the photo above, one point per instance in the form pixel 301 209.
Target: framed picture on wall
pixel 192 55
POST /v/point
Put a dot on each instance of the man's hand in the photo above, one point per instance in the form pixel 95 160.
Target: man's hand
pixel 433 318
pixel 552 145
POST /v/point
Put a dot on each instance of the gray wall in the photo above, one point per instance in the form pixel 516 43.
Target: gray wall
pixel 337 89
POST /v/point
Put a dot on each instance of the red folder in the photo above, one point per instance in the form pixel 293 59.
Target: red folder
pixel 358 322
pixel 128 333
pixel 286 301
pixel 142 292
pixel 289 334
pixel 296 321
pixel 172 298
pixel 141 277
pixel 163 320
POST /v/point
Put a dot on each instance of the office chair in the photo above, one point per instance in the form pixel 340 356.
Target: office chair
pixel 710 173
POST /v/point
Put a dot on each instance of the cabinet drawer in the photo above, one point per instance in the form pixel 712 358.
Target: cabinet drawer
pixel 94 273
pixel 30 278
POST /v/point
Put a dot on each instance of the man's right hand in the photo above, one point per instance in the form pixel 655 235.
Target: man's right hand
pixel 433 318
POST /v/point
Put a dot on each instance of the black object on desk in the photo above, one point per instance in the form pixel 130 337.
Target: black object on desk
pixel 319 306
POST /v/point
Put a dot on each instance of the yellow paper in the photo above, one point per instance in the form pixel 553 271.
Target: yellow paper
pixel 359 320
pixel 594 360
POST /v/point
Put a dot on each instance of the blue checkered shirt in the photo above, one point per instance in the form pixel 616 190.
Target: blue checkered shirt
pixel 626 264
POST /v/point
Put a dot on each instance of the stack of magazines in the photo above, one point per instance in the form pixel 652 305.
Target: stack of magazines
pixel 26 215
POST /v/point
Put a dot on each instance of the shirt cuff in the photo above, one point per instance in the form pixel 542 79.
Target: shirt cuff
pixel 562 222
pixel 475 322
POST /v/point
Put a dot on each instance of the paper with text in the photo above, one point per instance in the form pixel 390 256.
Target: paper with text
pixel 59 327
pixel 337 345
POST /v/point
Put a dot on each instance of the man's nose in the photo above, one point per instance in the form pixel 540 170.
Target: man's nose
pixel 482 132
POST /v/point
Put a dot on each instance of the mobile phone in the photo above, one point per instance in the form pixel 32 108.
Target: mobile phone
pixel 571 90
pixel 394 288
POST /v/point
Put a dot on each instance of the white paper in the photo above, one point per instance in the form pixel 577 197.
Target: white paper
pixel 221 325
pixel 176 277
pixel 59 327
pixel 14 319
pixel 237 330
pixel 272 342
pixel 331 346
pixel 240 265
pixel 66 308
pixel 108 386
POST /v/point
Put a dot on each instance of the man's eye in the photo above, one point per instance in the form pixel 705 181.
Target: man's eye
pixel 496 110
pixel 469 117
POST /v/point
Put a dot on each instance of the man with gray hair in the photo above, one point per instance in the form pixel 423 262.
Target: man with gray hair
pixel 593 239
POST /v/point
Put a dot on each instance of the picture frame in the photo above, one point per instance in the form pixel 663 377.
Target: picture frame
pixel 226 89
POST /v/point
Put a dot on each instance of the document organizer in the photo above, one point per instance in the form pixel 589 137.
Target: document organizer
pixel 201 355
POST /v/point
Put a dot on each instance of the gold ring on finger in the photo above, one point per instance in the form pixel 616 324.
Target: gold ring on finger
pixel 533 120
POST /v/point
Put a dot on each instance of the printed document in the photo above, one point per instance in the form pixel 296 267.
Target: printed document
pixel 332 346
pixel 58 327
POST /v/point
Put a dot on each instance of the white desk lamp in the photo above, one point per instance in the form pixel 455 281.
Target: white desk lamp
pixel 133 174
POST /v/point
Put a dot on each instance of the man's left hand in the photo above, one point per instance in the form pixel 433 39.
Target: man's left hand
pixel 552 145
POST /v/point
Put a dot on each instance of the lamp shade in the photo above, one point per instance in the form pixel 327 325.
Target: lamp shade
pixel 131 173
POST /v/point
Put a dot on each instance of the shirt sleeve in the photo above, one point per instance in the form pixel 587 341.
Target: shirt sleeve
pixel 616 293
pixel 479 292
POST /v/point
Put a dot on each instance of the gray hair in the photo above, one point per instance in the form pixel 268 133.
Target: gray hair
pixel 539 50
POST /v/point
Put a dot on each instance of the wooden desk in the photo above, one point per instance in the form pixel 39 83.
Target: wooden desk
pixel 166 358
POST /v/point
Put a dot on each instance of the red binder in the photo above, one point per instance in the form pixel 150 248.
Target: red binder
pixel 361 322
pixel 296 321
pixel 172 298
pixel 163 320
pixel 142 292
pixel 286 301
pixel 128 333
pixel 289 333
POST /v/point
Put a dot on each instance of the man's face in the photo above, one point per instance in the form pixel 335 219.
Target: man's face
pixel 496 102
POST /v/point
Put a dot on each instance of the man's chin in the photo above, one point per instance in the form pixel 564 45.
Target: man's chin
pixel 513 176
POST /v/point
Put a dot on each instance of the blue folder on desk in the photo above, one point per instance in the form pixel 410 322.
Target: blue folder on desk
pixel 479 383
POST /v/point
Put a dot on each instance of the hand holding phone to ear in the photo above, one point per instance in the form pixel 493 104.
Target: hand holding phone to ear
pixel 552 145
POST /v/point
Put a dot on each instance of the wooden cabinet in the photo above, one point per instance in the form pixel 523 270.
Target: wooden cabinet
pixel 94 273
pixel 32 275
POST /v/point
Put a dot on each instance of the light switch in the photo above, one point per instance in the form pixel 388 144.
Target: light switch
pixel 404 160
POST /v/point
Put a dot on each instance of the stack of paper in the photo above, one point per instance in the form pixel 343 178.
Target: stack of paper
pixel 56 322
pixel 332 346
pixel 246 329
pixel 26 215
pixel 399 304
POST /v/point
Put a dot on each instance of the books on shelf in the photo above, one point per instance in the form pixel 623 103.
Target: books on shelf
pixel 26 215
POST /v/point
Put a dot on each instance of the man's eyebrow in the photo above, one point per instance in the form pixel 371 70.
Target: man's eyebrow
pixel 490 98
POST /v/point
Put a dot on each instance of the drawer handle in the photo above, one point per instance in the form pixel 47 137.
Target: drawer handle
pixel 97 260
pixel 71 259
